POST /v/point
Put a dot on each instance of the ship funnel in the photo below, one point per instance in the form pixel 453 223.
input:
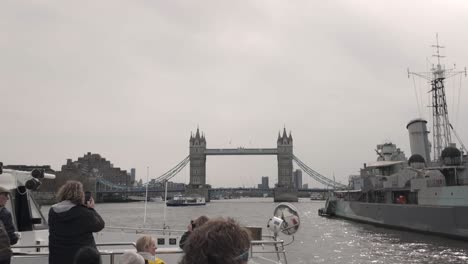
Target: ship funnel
pixel 419 141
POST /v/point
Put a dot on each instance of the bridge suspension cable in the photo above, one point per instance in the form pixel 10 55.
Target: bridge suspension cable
pixel 317 176
pixel 110 185
pixel 173 172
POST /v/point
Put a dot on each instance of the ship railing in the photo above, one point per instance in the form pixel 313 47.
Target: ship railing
pixel 143 230
pixel 108 256
pixel 268 246
pixel 266 250
pixel 258 250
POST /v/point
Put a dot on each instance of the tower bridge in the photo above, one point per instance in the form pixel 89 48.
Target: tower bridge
pixel 285 191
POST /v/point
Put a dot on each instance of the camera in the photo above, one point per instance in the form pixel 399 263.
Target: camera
pixel 33 184
pixel 87 196
pixel 38 173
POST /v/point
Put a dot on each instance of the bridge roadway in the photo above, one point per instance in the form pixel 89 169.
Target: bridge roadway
pixel 212 190
pixel 242 151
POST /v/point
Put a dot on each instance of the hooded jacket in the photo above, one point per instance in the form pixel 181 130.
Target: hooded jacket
pixel 71 227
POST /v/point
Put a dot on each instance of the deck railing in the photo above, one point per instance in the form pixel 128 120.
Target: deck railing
pixel 258 248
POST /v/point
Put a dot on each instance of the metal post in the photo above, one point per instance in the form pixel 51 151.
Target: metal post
pixel 146 199
pixel 165 205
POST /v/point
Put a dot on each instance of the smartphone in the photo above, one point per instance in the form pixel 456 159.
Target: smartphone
pixel 87 196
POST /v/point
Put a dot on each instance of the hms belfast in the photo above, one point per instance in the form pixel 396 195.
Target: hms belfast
pixel 416 194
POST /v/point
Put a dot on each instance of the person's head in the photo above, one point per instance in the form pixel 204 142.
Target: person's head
pixel 199 221
pixel 4 196
pixel 72 191
pixel 218 241
pixel 87 255
pixel 146 244
pixel 131 258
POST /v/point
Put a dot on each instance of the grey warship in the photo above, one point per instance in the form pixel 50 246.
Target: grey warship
pixel 421 194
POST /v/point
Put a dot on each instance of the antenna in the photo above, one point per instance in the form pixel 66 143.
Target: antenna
pixel 440 119
pixel 437 46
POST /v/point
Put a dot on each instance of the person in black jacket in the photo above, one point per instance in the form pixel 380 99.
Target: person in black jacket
pixel 193 224
pixel 8 235
pixel 7 228
pixel 71 224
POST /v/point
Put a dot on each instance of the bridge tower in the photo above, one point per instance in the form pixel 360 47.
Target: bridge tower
pixel 197 184
pixel 285 190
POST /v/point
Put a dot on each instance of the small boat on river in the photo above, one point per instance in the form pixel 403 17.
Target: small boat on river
pixel 186 201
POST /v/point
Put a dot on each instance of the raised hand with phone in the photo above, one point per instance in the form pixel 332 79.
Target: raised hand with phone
pixel 193 224
pixel 89 201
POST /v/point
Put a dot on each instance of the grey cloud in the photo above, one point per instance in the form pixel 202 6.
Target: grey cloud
pixel 131 80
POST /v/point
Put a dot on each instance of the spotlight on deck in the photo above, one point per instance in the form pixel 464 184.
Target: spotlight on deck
pixel 37 173
pixel 33 184
pixel 285 220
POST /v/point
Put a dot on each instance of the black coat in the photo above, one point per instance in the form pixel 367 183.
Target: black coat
pixel 71 230
pixel 5 217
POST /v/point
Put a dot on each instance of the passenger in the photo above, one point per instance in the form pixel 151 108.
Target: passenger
pixel 193 224
pixel 146 247
pixel 402 199
pixel 10 237
pixel 131 258
pixel 219 241
pixel 88 255
pixel 5 248
pixel 71 224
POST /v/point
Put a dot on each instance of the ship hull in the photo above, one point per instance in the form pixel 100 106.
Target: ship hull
pixel 448 221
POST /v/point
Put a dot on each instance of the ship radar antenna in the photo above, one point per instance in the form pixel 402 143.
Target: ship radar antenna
pixel 440 120
pixel 438 47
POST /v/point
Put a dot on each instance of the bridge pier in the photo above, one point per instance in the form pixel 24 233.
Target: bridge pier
pixel 198 190
pixel 285 194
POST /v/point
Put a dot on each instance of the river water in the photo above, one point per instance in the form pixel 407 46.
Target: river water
pixel 319 239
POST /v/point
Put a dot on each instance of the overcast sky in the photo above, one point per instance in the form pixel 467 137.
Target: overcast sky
pixel 131 79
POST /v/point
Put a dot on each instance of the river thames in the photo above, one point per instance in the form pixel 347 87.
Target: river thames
pixel 319 240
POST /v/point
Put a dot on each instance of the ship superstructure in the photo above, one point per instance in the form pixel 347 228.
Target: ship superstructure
pixel 441 126
pixel 422 193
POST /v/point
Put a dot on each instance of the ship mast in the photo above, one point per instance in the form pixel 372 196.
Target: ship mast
pixel 441 126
